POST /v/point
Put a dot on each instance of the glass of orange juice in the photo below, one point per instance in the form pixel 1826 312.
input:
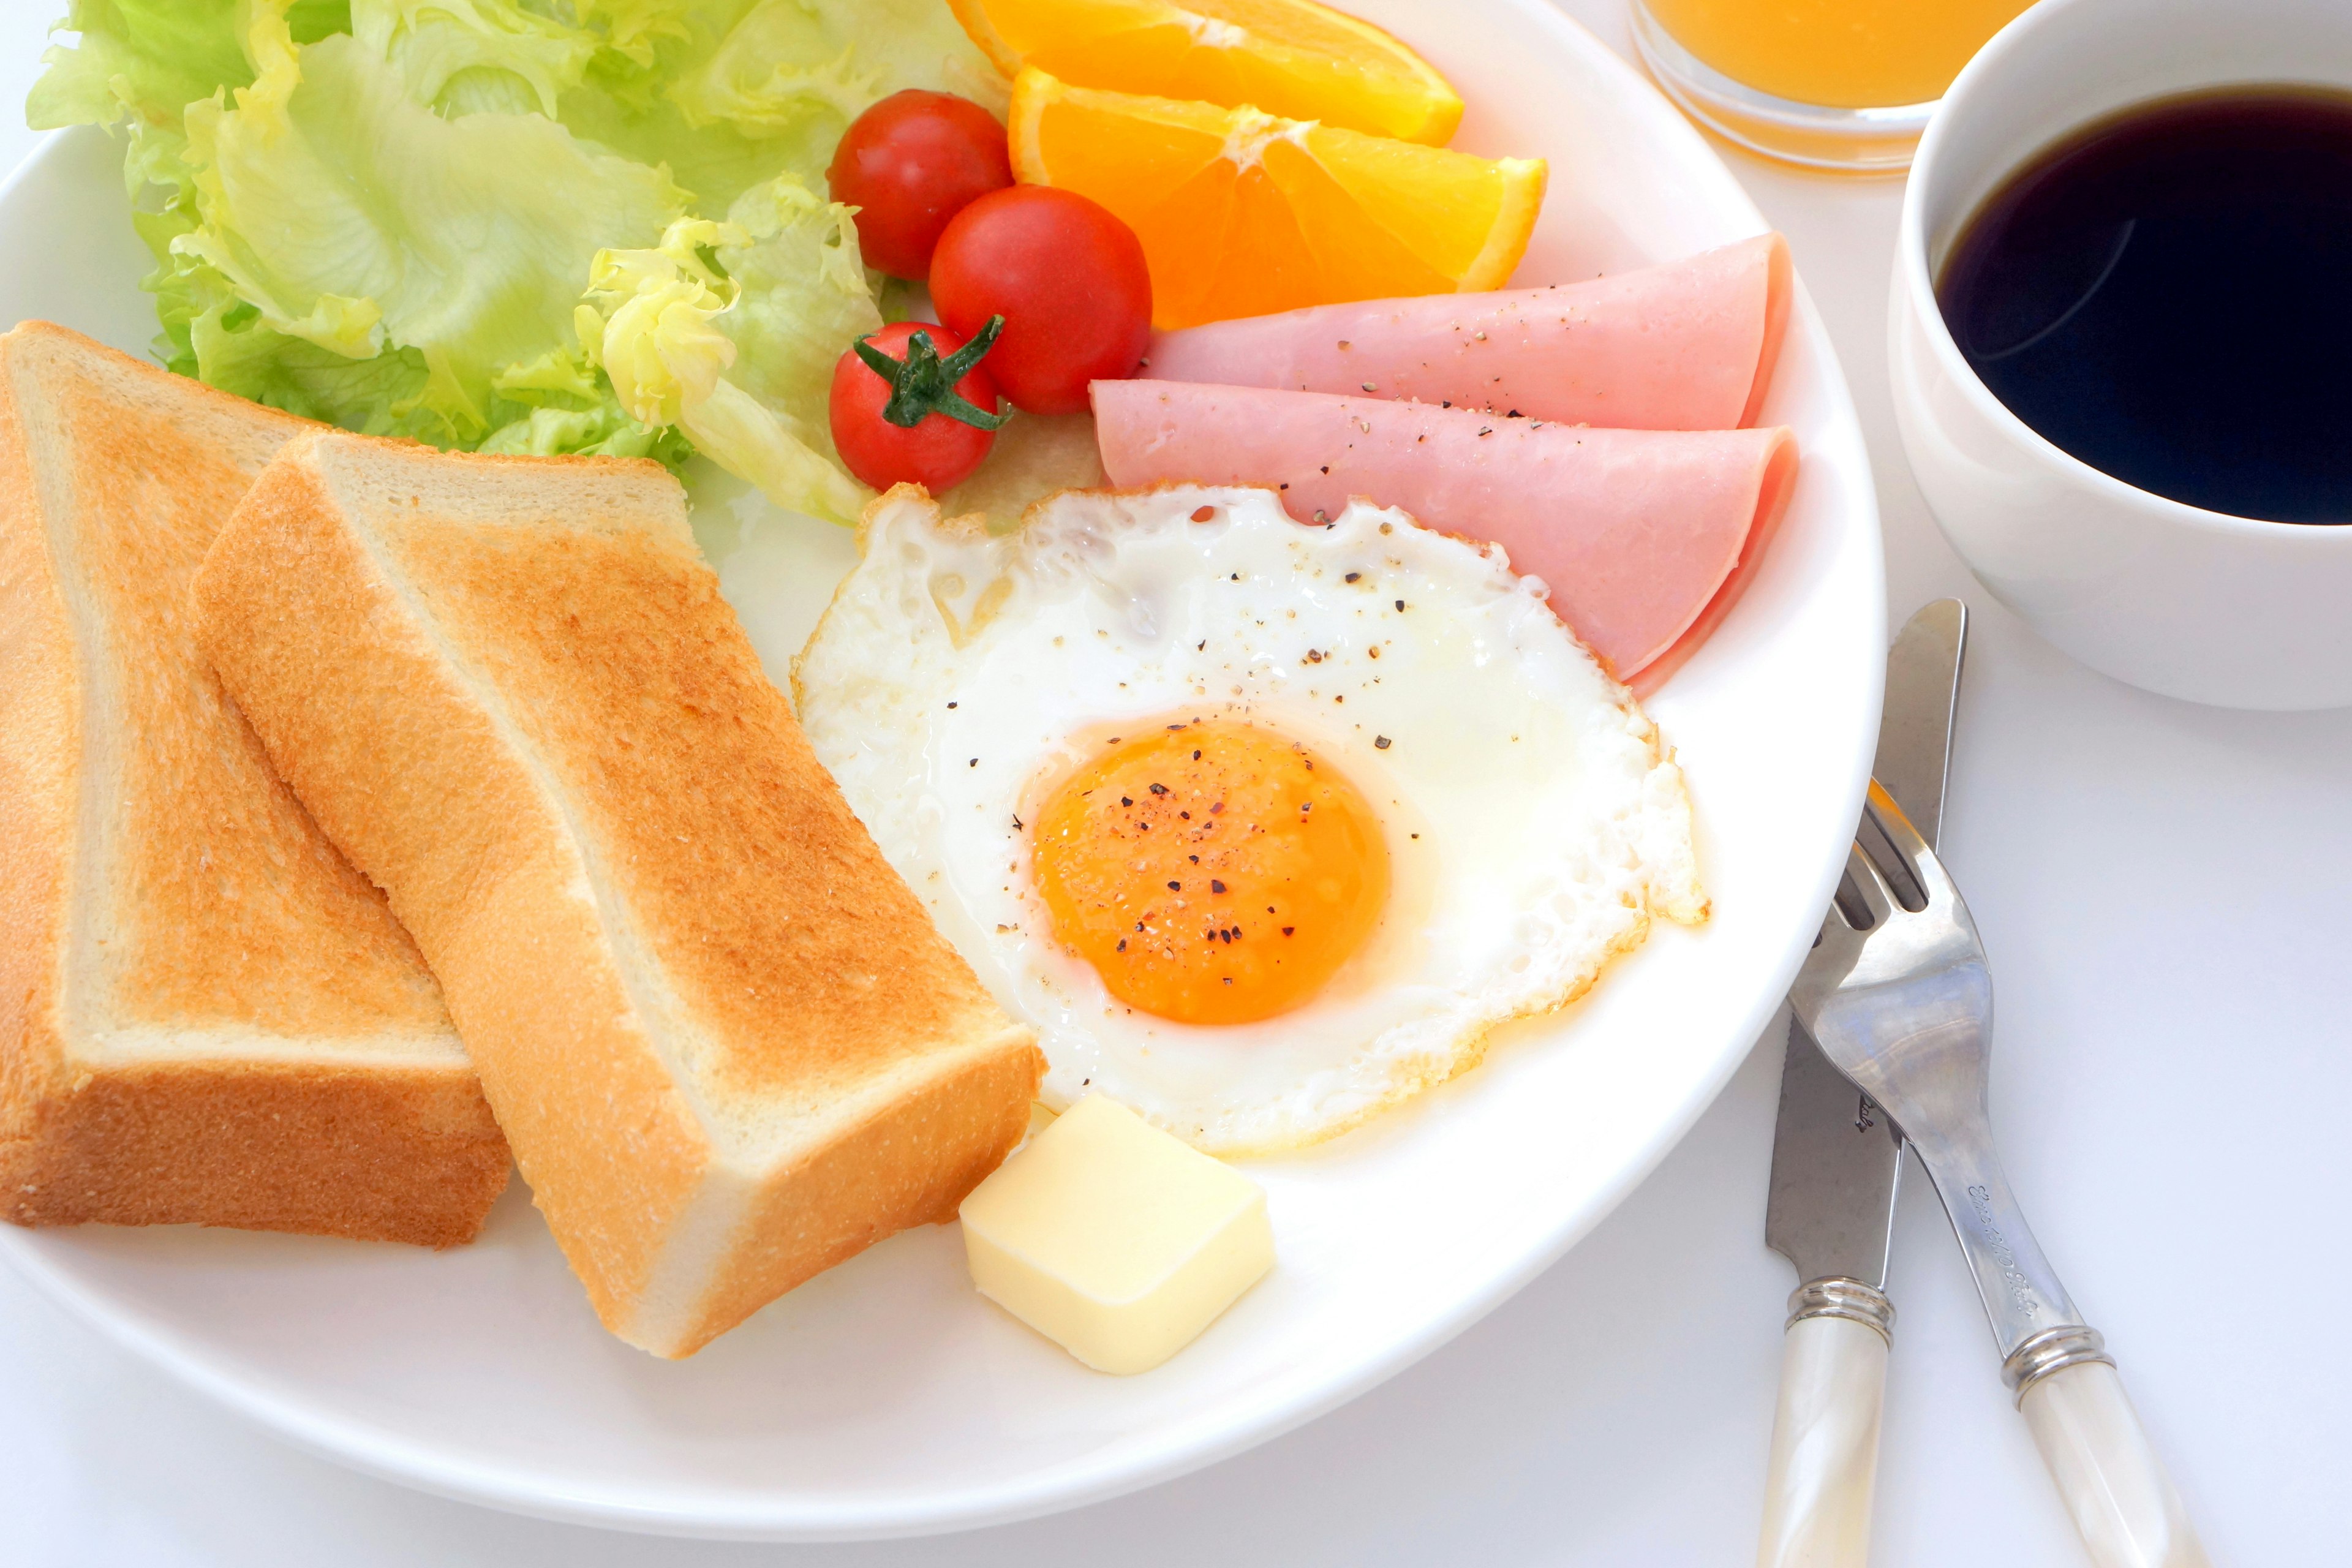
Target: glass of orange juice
pixel 1844 84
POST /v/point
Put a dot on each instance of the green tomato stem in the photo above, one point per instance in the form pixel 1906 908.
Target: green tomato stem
pixel 923 384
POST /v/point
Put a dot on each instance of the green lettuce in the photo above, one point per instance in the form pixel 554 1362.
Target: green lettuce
pixel 461 220
pixel 652 322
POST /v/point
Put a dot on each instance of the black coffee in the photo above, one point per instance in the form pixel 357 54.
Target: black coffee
pixel 2168 295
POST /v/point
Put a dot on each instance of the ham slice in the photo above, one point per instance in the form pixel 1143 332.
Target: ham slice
pixel 1646 538
pixel 1688 345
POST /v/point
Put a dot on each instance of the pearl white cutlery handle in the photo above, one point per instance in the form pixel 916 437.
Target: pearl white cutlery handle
pixel 1824 1442
pixel 2112 1481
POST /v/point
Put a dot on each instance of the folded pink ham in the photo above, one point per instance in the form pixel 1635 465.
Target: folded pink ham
pixel 1687 345
pixel 1646 538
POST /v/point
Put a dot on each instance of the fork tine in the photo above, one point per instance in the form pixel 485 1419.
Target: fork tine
pixel 1928 870
pixel 1871 883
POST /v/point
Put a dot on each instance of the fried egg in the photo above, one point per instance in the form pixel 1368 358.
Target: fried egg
pixel 1262 826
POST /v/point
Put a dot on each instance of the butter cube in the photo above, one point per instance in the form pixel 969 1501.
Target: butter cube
pixel 1115 1240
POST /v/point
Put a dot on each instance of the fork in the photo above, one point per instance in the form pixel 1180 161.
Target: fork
pixel 1899 995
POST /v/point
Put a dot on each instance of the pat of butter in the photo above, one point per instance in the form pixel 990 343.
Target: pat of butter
pixel 1113 1239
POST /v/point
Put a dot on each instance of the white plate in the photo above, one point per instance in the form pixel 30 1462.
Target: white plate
pixel 885 1397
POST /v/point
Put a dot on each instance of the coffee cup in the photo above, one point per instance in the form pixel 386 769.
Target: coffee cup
pixel 2233 611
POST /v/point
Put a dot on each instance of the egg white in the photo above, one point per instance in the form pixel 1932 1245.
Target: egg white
pixel 1531 822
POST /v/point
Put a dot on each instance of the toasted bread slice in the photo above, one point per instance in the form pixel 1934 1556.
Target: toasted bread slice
pixel 722 1036
pixel 206 1014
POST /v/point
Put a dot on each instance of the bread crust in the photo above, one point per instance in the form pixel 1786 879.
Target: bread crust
pixel 232 1030
pixel 724 1040
pixel 374 1153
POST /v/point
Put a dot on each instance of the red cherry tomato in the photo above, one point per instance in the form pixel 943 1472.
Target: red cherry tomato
pixel 936 453
pixel 911 163
pixel 1068 279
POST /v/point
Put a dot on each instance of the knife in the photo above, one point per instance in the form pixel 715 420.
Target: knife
pixel 1836 1164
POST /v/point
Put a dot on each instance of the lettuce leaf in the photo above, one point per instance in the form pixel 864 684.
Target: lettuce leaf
pixel 383 213
pixel 651 322
pixel 464 57
pixel 728 94
pixel 803 298
pixel 354 219
pixel 141 59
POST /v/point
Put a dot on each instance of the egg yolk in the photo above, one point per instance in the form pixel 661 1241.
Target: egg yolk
pixel 1213 872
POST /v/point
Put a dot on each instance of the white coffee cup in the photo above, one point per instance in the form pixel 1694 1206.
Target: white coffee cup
pixel 2167 596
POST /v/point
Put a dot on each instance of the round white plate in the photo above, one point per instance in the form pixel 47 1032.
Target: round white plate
pixel 887 1398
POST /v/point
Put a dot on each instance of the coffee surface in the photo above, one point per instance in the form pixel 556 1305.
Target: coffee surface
pixel 2166 294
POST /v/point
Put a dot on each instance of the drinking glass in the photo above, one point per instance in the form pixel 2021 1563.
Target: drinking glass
pixel 1840 84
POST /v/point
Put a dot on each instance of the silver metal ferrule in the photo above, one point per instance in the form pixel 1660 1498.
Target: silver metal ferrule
pixel 2052 1351
pixel 1840 1298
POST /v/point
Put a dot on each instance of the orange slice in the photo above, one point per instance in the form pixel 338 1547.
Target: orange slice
pixel 1242 214
pixel 1291 57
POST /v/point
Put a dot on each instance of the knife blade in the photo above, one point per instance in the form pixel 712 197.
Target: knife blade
pixel 1837 1163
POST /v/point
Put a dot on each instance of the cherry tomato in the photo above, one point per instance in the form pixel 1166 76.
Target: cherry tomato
pixel 1068 279
pixel 911 163
pixel 939 450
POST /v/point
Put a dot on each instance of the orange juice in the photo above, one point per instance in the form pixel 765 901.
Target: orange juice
pixel 1840 54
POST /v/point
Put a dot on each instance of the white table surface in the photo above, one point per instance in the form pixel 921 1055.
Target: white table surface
pixel 2164 889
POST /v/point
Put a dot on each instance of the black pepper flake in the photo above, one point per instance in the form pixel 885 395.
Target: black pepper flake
pixel 1199 646
pixel 951 704
pixel 1195 859
pixel 1306 805
pixel 1196 757
pixel 1124 800
pixel 1514 414
pixel 1215 886
pixel 1400 605
pixel 974 762
pixel 1326 468
pixel 1215 807
pixel 1185 815
pixel 1446 402
pixel 1355 576
pixel 1485 430
pixel 1175 887
pixel 1017 824
pixel 1381 743
pixel 1122 944
pixel 1159 789
pixel 1287 929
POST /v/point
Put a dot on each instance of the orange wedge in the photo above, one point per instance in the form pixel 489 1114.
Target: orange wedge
pixel 1242 214
pixel 1291 57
